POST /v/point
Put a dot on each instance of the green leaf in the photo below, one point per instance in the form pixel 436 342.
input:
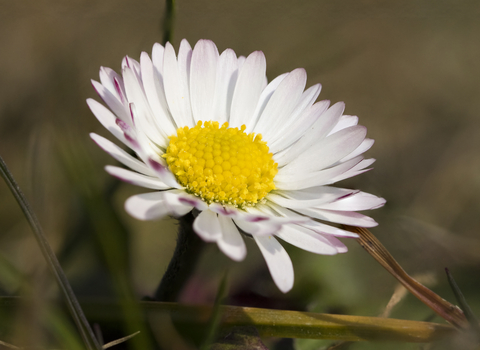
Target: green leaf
pixel 284 323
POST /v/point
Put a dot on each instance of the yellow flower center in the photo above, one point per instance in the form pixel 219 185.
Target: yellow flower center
pixel 222 164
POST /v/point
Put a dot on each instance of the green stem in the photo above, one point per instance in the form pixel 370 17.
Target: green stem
pixel 52 261
pixel 168 21
pixel 186 254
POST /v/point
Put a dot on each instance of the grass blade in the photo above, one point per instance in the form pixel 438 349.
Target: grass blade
pixel 72 302
pixel 215 319
pixel 472 319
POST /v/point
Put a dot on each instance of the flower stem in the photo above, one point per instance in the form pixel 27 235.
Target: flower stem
pixel 186 254
pixel 168 21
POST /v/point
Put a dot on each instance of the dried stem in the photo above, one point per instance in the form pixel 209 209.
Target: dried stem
pixel 443 308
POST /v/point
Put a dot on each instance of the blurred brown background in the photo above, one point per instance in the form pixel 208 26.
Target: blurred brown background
pixel 409 69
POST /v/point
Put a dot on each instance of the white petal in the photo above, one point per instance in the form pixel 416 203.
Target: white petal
pixel 341 248
pixel 305 199
pixel 278 262
pixel 203 76
pixel 155 205
pixel 356 170
pixel 318 178
pixel 281 104
pixel 328 230
pixel 306 239
pixel 313 225
pixel 250 83
pixel 297 116
pixel 155 92
pixel 184 66
pixel 328 192
pixel 263 101
pixel 176 89
pixel 317 132
pixel 258 229
pixel 157 58
pixel 122 156
pixel 364 146
pixel 345 121
pixel 340 217
pixel 231 242
pixel 307 100
pixel 270 216
pixel 227 74
pixel 147 206
pixel 136 178
pixel 358 201
pixel 144 120
pixel 241 61
pixel 207 226
pixel 107 118
pixel 327 151
pixel 299 127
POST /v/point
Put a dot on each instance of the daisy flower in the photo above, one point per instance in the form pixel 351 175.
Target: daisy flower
pixel 250 158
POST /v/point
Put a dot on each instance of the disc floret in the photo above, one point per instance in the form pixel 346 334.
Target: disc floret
pixel 222 164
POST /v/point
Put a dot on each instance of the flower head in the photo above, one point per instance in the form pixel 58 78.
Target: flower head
pixel 249 157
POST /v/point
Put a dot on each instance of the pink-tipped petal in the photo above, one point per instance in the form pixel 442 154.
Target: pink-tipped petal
pixel 163 173
pixel 136 178
pixel 107 119
pixel 122 156
pixel 306 239
pixel 340 217
pixel 111 100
